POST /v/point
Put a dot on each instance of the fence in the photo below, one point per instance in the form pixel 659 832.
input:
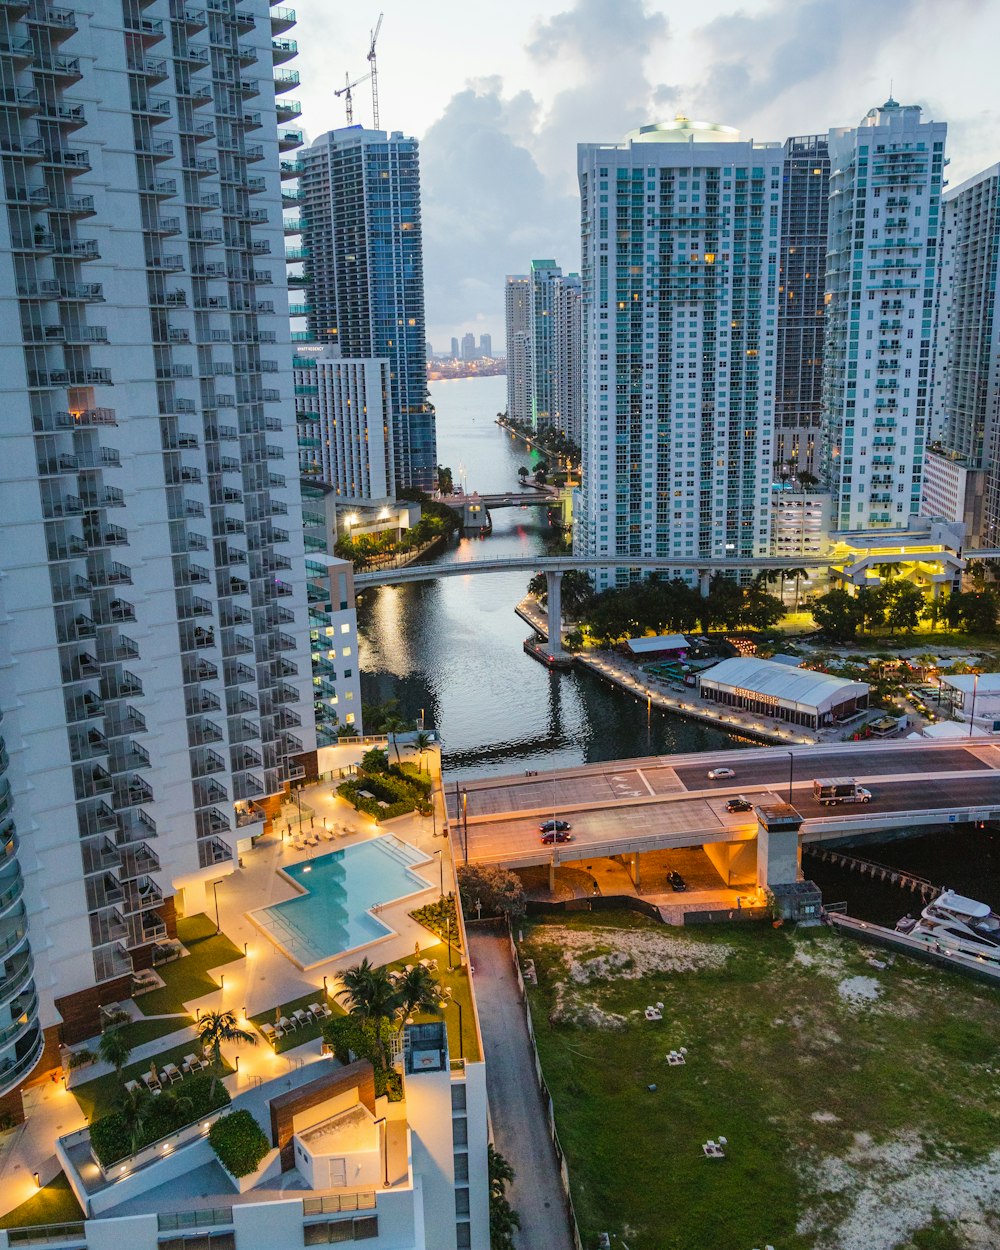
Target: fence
pixel 544 1089
pixel 596 902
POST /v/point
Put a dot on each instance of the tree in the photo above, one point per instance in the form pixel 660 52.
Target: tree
pixel 577 591
pixel 446 482
pixel 523 472
pixel 498 890
pixel 422 742
pixel 418 992
pixel 504 1220
pixel 760 609
pixel 838 615
pixel 392 726
pixel 216 1027
pixel 370 995
pixel 807 480
pixel 374 760
pixel 116 1049
pixel 903 605
pixel 135 1107
pixel 539 587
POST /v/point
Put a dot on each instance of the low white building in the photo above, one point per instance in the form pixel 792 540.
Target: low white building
pixel 343 1166
pixel 798 695
pixel 976 695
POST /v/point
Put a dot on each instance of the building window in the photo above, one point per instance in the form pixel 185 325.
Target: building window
pixel 332 1232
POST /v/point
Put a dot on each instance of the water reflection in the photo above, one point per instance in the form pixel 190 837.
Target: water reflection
pixel 454 648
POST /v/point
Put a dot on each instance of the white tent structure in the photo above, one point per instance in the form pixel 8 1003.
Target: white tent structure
pixel 792 694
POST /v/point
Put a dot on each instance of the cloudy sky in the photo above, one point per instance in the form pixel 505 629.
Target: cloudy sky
pixel 499 92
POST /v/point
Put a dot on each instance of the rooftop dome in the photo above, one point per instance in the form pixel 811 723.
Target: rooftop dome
pixel 683 130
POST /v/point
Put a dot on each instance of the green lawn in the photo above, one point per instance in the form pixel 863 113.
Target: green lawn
pixel 458 982
pixel 778 1062
pixel 142 1031
pixel 55 1203
pixel 304 1033
pixel 187 978
pixel 97 1097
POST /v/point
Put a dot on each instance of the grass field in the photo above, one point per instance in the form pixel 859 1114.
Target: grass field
pixel 55 1203
pixel 98 1097
pixel 860 1104
pixel 187 978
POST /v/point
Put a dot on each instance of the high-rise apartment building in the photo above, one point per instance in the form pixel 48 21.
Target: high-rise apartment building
pixel 486 345
pixel 517 309
pixel 359 194
pixel 798 381
pixel 468 346
pixel 345 423
pixel 545 275
pixel 882 258
pixel 680 226
pixel 962 472
pixel 454 349
pixel 154 646
pixel 567 387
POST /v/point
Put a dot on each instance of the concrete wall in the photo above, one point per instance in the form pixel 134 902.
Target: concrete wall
pixel 735 862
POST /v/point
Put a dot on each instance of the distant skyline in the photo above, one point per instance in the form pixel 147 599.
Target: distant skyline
pixel 500 94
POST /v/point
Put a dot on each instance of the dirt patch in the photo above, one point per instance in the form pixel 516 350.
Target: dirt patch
pixel 858 990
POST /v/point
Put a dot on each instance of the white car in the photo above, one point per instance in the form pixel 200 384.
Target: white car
pixel 720 774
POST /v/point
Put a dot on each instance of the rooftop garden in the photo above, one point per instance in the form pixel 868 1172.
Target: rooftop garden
pixel 384 790
pixel 187 978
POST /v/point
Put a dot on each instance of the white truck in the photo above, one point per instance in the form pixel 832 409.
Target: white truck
pixel 831 790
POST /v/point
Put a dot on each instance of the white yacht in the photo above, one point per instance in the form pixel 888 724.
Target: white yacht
pixel 956 923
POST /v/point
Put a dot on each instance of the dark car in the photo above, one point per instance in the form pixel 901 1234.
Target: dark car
pixel 554 826
pixel 556 835
pixel 676 882
pixel 739 805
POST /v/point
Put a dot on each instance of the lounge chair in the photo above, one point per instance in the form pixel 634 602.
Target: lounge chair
pixel 171 1072
pixel 194 1063
pixel 151 1082
pixel 270 1033
pixel 132 1087
pixel 320 1011
pixel 303 1017
pixel 287 1024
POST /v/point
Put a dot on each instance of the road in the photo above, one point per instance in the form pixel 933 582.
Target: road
pixel 631 805
pixel 520 1121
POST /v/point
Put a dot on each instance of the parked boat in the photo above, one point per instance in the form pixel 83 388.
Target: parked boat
pixel 953 922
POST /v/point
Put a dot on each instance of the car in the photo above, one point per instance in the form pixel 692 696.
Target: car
pixel 676 882
pixel 719 774
pixel 741 804
pixel 556 835
pixel 554 826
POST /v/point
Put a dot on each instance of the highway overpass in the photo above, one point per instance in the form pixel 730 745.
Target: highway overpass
pixel 631 806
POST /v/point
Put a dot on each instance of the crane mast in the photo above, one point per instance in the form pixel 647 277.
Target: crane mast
pixel 374 73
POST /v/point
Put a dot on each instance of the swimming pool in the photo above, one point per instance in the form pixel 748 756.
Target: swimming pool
pixel 333 916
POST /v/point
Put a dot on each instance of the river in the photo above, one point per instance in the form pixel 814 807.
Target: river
pixel 453 648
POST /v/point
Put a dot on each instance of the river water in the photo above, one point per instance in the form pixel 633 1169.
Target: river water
pixel 454 647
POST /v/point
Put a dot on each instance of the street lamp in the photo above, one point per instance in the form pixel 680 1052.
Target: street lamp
pixel 385 1145
pixel 972 713
pixel 791 775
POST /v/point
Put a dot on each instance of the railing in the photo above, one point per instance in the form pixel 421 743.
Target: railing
pixel 335 1204
pixel 203 1217
pixel 42 1234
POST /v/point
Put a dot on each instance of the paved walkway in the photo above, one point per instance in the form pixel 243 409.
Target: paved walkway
pixel 520 1122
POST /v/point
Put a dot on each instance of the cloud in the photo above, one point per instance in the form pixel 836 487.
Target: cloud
pixel 487 208
pixel 499 175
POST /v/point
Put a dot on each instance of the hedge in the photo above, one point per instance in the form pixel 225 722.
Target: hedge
pixel 349 791
pixel 239 1142
pixel 111 1140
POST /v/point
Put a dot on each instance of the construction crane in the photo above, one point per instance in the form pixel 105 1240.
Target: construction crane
pixel 346 91
pixel 374 73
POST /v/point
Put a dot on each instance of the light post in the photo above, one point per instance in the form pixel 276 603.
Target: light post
pixel 972 713
pixel 326 992
pixel 791 775
pixel 215 893
pixel 385 1146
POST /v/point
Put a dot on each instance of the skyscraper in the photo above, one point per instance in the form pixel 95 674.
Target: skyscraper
pixel 359 192
pixel 468 346
pixel 154 646
pixel 680 262
pixel 544 278
pixel 517 309
pixel 567 390
pixel 884 231
pixel 798 384
pixel 486 345
pixel 454 349
pixel 962 471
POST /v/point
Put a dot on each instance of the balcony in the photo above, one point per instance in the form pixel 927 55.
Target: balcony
pixel 212 851
pixel 282 19
pixel 283 50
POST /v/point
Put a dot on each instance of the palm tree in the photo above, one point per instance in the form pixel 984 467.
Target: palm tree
pixel 422 742
pixel 114 1048
pixel 134 1108
pixel 370 995
pixel 418 991
pixel 216 1027
pixel 392 725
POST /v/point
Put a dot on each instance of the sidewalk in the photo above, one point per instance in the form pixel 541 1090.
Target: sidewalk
pixel 519 1120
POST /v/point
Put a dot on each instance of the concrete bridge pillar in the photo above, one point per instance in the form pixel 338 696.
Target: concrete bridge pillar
pixel 704 578
pixel 553 582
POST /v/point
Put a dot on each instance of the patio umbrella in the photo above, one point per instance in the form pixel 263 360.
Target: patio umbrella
pixel 153 1072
